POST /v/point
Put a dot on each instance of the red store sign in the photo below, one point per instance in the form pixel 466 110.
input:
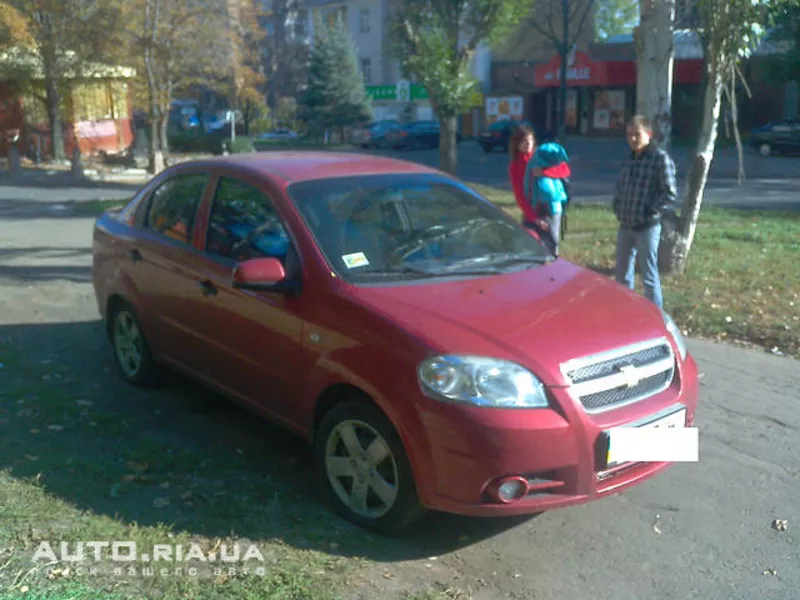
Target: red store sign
pixel 582 71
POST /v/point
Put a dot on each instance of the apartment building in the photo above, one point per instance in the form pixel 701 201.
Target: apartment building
pixel 392 96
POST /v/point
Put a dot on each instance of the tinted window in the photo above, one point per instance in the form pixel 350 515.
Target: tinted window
pixel 244 224
pixel 173 206
pixel 409 226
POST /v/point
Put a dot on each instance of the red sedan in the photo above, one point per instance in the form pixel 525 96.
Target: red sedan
pixel 434 353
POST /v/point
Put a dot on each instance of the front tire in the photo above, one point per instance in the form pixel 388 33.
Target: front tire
pixel 765 149
pixel 363 470
pixel 131 351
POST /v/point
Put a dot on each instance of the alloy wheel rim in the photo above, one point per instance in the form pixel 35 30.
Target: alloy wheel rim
pixel 361 469
pixel 128 343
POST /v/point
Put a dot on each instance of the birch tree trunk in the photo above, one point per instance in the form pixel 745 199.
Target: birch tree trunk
pixel 654 43
pixel 676 250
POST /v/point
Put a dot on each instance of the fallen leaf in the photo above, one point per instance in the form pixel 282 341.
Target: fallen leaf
pixel 24 589
pixel 333 545
pixel 780 524
pixel 160 502
pixel 83 403
pixel 137 467
pixel 164 485
pixel 128 478
pixel 31 457
pixel 114 492
pixel 770 572
pixel 56 427
pixel 34 431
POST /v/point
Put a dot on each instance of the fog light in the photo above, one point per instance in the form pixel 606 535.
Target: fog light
pixel 512 489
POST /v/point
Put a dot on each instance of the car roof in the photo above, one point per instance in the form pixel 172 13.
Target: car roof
pixel 295 166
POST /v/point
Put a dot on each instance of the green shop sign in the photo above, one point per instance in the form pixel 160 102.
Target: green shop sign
pixel 400 92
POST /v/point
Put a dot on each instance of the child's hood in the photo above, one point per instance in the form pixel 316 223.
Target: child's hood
pixel 550 155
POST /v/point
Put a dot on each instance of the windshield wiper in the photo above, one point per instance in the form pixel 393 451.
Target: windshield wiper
pixel 436 272
pixel 503 258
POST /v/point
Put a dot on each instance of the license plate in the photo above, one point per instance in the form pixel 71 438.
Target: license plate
pixel 620 452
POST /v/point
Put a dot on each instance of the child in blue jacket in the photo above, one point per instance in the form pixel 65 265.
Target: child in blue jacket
pixel 544 186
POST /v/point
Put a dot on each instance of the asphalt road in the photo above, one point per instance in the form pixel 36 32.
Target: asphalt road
pixel 699 531
pixel 771 183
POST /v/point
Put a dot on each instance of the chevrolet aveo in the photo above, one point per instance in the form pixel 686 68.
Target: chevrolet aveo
pixel 432 352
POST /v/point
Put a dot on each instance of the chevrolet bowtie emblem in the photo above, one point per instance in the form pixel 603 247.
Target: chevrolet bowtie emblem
pixel 631 375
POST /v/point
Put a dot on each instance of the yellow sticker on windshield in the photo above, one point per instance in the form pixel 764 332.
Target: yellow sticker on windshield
pixel 355 260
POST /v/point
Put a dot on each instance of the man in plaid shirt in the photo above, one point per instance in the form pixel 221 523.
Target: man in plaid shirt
pixel 646 188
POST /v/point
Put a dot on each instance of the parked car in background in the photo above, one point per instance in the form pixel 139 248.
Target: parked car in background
pixel 778 136
pixel 497 135
pixel 416 134
pixel 373 135
pixel 433 353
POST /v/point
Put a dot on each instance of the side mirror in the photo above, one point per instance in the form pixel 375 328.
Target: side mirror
pixel 259 274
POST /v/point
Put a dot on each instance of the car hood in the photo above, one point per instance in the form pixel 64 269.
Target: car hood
pixel 540 317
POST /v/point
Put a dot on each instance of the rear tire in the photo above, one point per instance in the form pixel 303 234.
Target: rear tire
pixel 131 351
pixel 363 471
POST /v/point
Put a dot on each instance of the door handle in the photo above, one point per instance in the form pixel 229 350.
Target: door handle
pixel 208 288
pixel 135 255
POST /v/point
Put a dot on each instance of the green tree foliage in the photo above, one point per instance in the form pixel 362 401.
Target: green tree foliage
pixel 786 36
pixel 615 17
pixel 336 96
pixel 435 41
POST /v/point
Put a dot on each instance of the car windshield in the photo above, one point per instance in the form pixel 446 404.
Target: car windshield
pixel 384 228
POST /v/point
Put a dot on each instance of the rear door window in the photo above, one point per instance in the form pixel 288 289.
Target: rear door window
pixel 173 206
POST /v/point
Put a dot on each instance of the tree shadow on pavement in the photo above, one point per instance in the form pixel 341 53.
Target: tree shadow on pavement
pixel 181 455
pixel 37 264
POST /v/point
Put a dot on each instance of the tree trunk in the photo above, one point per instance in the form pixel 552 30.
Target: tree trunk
pixel 156 155
pixel 448 145
pixel 163 131
pixel 677 249
pixel 655 52
pixel 53 97
pixel 151 21
pixel 561 103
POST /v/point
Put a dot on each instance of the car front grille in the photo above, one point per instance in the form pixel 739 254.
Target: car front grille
pixel 622 376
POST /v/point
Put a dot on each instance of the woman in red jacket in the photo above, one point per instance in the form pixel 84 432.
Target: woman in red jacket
pixel 520 149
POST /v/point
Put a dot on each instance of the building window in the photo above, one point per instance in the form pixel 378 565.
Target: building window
pixel 298 25
pixel 91 102
pixel 364 20
pixel 366 70
pixel 332 17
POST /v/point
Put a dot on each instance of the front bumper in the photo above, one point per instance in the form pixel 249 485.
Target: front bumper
pixel 559 452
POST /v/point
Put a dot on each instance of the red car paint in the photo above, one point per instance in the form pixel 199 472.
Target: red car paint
pixel 299 346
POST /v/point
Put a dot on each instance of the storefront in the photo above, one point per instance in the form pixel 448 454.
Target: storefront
pixel 601 94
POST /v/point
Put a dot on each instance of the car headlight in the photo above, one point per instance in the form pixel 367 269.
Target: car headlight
pixel 482 381
pixel 676 334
